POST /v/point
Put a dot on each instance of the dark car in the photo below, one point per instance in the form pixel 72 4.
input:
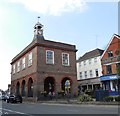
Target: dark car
pixel 14 99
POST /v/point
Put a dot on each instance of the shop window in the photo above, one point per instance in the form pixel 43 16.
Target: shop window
pixel 107 85
pixel 115 86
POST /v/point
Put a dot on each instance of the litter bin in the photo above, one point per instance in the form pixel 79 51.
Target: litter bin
pixel 101 94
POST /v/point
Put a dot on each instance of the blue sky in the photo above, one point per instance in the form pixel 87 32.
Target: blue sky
pixel 88 25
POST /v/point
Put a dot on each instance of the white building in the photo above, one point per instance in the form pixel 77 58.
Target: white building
pixel 89 70
pixel 0 94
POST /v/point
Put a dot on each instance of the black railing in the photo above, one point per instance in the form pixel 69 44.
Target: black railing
pixel 111 59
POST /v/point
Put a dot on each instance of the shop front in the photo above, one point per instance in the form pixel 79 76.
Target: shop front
pixel 110 83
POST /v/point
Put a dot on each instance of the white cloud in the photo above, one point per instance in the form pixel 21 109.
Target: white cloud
pixel 53 7
pixel 101 0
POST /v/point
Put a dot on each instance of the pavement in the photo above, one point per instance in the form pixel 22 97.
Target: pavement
pixel 75 101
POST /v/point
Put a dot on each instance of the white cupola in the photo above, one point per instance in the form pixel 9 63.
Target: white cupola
pixel 38 30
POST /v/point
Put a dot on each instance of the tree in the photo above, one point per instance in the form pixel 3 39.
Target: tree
pixel 118 71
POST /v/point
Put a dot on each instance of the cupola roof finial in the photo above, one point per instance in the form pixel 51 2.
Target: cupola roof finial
pixel 38 18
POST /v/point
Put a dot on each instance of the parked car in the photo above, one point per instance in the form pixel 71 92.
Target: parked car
pixel 14 99
pixel 5 97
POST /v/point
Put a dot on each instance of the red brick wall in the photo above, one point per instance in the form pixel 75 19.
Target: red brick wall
pixel 114 45
pixel 40 70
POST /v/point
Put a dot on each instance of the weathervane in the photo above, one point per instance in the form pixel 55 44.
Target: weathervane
pixel 38 18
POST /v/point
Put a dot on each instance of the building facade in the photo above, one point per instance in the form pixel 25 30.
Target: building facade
pixel 111 65
pixel 89 70
pixel 44 66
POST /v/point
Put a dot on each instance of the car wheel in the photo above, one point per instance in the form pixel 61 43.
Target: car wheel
pixel 7 101
pixel 20 101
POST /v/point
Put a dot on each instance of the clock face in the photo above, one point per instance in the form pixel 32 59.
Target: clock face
pixel 39 32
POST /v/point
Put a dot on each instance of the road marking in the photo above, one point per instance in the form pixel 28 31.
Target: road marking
pixel 73 110
pixel 56 104
pixel 15 112
pixel 12 111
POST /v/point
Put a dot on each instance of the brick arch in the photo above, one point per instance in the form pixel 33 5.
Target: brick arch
pixel 17 88
pixel 30 87
pixel 63 80
pixel 49 84
pixel 67 77
pixel 23 86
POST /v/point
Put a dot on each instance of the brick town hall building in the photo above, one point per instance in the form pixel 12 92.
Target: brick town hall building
pixel 44 66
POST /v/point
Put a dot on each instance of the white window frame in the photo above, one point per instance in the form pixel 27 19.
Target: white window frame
pixel 65 62
pixel 91 74
pixel 95 59
pixel 13 68
pixel 85 73
pixel 23 63
pixel 80 64
pixel 89 61
pixel 49 60
pixel 18 66
pixel 80 75
pixel 96 71
pixel 84 62
pixel 30 59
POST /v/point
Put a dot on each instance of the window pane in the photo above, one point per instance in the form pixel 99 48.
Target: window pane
pixel 30 59
pixel 89 61
pixel 13 68
pixel 65 59
pixel 85 74
pixel 110 54
pixel 18 66
pixel 90 73
pixel 95 59
pixel 23 63
pixel 80 75
pixel 49 57
pixel 84 62
pixel 96 71
pixel 109 69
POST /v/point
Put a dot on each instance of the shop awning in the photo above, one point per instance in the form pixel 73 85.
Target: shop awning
pixel 108 77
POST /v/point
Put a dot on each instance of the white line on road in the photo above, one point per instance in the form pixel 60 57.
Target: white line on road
pixel 15 112
pixel 12 111
pixel 72 110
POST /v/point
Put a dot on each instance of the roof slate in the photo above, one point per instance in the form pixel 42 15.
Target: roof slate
pixel 91 54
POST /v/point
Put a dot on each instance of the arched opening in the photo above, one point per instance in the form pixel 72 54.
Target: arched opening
pixel 66 85
pixel 30 87
pixel 23 88
pixel 49 84
pixel 18 88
